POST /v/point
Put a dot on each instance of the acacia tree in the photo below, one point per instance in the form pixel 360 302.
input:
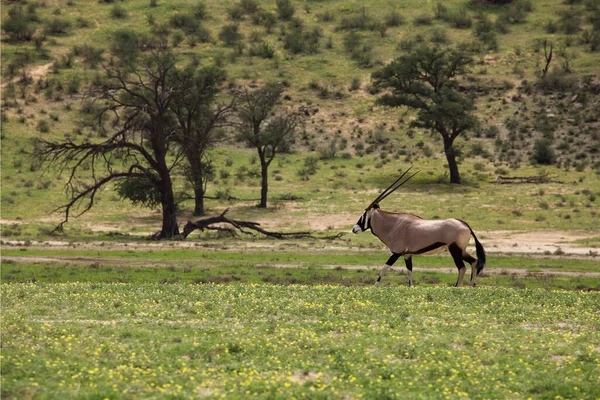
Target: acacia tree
pixel 262 129
pixel 134 118
pixel 426 80
pixel 199 124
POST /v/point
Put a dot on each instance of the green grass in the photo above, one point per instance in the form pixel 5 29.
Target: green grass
pixel 97 340
pixel 219 272
pixel 317 266
pixel 316 258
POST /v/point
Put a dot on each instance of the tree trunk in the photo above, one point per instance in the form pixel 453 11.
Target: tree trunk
pixel 197 178
pixel 170 228
pixel 264 187
pixel 451 158
pixel 199 201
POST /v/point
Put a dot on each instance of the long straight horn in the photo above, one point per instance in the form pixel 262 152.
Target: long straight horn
pixel 401 183
pixel 385 193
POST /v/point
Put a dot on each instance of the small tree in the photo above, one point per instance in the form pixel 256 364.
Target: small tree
pixel 267 133
pixel 198 124
pixel 426 80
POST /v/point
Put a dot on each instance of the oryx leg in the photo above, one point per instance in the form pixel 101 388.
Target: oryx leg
pixel 408 262
pixel 456 253
pixel 387 266
pixel 473 261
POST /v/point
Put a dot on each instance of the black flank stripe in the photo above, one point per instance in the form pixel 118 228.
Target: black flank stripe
pixel 428 248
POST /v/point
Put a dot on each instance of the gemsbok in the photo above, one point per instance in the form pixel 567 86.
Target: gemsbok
pixel 406 234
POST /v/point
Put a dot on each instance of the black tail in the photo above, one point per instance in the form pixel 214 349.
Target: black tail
pixel 478 249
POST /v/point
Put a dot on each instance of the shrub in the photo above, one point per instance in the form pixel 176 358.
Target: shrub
pixel 557 81
pixel 118 12
pixel 477 149
pixel 551 26
pixel 262 49
pixel 501 26
pixel 236 13
pixel 326 16
pixel 360 21
pixel 309 168
pixel 199 10
pixel 423 19
pixel 517 12
pixel 441 12
pixel 591 38
pixel 57 26
pixel 299 41
pixel 43 126
pixel 393 19
pixel 90 54
pixel 460 20
pixel 355 84
pixel 379 27
pixel 249 6
pixel 439 36
pixel 570 21
pixel 285 9
pixel 19 25
pixel 268 20
pixel 328 152
pixel 359 52
pixel 543 152
pixel 186 22
pixel 230 34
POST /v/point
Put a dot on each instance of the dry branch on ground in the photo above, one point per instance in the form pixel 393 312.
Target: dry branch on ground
pixel 245 227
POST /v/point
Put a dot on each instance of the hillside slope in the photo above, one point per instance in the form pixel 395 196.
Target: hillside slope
pixel 324 52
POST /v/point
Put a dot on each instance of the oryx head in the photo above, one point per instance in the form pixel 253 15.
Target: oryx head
pixel 364 222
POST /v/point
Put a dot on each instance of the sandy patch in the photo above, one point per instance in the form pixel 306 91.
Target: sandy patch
pixel 535 242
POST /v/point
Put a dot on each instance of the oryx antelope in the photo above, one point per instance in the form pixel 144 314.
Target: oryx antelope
pixel 407 234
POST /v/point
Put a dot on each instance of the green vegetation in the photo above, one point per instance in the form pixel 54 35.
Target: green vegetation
pixel 323 54
pixel 139 340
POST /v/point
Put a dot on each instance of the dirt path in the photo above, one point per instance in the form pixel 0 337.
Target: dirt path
pixel 534 244
pixel 149 262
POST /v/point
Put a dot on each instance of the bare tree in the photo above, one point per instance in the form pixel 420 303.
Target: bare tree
pixel 265 131
pixel 134 117
pixel 547 56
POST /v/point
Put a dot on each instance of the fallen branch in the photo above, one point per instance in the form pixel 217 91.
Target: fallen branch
pixel 542 178
pixel 245 226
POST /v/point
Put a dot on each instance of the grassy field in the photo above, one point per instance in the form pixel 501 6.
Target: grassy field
pixel 98 340
pixel 348 269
